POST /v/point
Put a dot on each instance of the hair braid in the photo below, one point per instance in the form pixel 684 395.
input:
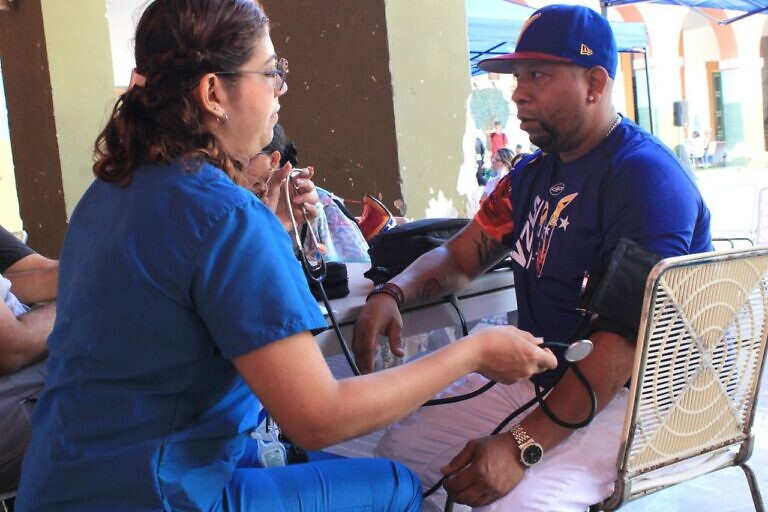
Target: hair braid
pixel 177 42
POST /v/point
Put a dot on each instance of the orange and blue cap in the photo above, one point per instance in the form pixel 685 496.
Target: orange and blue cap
pixel 562 33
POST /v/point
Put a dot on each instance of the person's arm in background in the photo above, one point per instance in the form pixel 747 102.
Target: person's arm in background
pixel 439 272
pixel 34 278
pixel 23 338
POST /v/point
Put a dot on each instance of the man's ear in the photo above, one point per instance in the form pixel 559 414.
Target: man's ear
pixel 210 96
pixel 597 83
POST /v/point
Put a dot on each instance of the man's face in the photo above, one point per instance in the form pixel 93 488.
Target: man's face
pixel 550 99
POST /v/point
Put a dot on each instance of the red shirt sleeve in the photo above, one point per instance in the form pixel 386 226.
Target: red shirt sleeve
pixel 495 213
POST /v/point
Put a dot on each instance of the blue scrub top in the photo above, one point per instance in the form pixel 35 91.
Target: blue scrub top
pixel 162 283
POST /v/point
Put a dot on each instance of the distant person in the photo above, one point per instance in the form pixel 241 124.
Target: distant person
pixel 698 148
pixel 497 137
pixel 265 176
pixel 480 160
pixel 340 235
pixel 710 147
pixel 27 312
pixel 501 163
pixel 518 149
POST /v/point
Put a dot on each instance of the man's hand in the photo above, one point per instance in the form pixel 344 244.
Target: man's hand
pixel 484 471
pixel 379 316
pixel 434 274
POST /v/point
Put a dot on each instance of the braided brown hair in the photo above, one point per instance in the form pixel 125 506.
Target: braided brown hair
pixel 177 42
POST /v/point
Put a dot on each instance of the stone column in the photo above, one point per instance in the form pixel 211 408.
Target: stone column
pixel 57 73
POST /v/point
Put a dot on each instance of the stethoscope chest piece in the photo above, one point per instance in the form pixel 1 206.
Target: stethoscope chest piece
pixel 578 350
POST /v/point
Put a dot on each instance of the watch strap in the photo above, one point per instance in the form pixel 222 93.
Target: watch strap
pixel 520 435
pixel 531 452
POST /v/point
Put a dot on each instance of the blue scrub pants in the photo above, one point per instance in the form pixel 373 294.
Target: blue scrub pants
pixel 349 485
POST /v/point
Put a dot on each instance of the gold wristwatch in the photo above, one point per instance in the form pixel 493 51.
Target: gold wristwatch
pixel 531 452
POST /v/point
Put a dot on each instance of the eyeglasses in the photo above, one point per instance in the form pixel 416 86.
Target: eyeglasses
pixel 277 74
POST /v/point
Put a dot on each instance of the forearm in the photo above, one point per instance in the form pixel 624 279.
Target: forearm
pixel 370 402
pixel 607 369
pixel 433 275
pixel 34 286
pixel 25 341
pixel 316 410
pixel 450 268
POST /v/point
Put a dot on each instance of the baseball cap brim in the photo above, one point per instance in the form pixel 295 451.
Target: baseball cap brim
pixel 503 63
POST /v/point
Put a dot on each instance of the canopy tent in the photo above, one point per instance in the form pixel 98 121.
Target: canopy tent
pixel 748 7
pixel 493 27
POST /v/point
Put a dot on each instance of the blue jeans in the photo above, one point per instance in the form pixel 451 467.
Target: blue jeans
pixel 348 485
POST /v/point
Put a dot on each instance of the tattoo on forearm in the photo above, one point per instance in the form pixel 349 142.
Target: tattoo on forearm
pixel 430 289
pixel 487 250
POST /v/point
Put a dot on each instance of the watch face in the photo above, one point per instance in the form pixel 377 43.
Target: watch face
pixel 532 454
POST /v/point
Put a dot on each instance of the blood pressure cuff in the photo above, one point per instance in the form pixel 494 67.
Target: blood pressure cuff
pixel 616 297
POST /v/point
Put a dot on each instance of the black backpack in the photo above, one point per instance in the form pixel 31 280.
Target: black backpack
pixel 393 250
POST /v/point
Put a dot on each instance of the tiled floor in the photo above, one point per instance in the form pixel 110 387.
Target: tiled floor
pixel 723 491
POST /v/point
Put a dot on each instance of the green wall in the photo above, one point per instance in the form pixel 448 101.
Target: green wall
pixel 431 83
pixel 80 62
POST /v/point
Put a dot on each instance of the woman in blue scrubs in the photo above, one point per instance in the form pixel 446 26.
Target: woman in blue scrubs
pixel 182 309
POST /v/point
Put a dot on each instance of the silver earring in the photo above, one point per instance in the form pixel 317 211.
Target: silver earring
pixel 591 99
pixel 223 119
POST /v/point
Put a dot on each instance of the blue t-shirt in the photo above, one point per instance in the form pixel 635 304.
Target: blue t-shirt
pixel 161 284
pixel 561 220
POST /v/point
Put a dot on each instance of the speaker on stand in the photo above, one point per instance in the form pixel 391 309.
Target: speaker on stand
pixel 680 119
pixel 680 113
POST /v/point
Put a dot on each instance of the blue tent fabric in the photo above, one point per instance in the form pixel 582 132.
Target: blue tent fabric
pixel 493 27
pixel 748 7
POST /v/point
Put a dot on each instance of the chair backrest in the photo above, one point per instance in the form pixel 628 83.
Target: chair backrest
pixel 700 354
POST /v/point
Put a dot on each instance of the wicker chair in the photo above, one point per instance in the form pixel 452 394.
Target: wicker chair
pixel 700 355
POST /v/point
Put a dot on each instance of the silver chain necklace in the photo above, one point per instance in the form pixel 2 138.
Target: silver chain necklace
pixel 614 124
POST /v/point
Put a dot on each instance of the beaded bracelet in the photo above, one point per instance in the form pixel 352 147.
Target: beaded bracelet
pixel 390 289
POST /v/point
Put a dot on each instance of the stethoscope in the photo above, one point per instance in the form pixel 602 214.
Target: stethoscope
pixel 315 270
pixel 573 352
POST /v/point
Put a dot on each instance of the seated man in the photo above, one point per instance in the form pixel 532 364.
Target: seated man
pixel 561 212
pixel 25 278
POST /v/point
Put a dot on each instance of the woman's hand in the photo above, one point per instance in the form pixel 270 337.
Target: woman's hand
pixel 508 354
pixel 302 192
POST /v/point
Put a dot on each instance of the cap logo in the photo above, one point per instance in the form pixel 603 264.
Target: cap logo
pixel 527 23
pixel 585 50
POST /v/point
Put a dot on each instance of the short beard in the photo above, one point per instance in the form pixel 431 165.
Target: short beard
pixel 546 139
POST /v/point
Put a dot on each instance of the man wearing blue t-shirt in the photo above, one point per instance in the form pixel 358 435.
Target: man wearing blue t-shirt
pixel 560 214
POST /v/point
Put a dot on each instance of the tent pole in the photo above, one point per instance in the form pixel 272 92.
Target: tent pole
pixel 648 90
